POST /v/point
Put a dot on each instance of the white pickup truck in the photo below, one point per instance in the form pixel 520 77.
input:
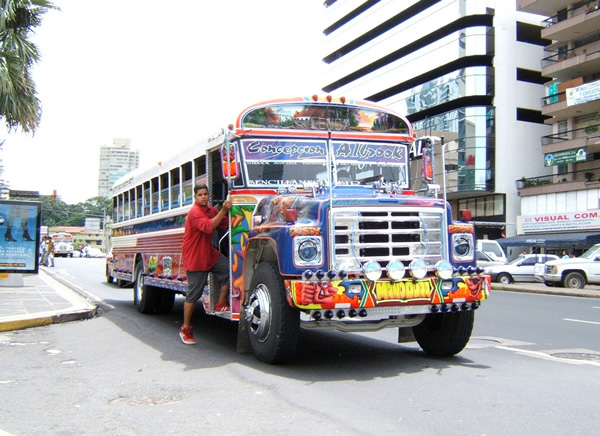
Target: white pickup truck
pixel 575 272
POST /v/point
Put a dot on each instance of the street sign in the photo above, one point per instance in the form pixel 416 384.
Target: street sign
pixel 24 194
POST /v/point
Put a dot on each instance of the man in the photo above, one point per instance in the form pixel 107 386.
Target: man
pixel 50 252
pixel 200 257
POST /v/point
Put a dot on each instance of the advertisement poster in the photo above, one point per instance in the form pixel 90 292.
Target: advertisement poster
pixel 19 248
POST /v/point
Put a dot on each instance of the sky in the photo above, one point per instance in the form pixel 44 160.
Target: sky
pixel 166 75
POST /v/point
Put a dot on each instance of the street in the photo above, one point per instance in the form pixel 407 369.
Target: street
pixel 532 367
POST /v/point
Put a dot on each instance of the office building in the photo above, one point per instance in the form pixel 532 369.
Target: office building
pixel 563 208
pixel 467 70
pixel 116 160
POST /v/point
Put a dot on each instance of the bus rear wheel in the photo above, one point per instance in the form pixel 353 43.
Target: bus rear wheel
pixel 273 325
pixel 144 297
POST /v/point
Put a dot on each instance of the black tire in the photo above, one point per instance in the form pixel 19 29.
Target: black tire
pixel 144 297
pixel 274 325
pixel 109 278
pixel 574 280
pixel 166 299
pixel 504 278
pixel 445 334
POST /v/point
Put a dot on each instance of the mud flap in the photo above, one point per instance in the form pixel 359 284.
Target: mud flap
pixel 405 334
pixel 243 341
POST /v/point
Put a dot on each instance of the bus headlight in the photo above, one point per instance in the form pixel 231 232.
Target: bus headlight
pixel 308 251
pixel 418 268
pixel 462 246
pixel 372 270
pixel 444 269
pixel 395 270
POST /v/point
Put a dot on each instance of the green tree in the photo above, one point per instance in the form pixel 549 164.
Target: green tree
pixel 19 105
pixel 59 213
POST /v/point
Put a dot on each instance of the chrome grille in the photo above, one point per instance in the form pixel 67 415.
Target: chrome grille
pixel 385 233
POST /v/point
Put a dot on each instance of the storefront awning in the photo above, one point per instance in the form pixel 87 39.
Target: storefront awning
pixel 550 240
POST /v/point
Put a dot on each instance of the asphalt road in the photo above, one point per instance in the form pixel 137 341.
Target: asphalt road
pixel 532 367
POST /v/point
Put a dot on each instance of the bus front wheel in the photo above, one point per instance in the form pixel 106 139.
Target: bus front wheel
pixel 144 297
pixel 273 325
pixel 444 334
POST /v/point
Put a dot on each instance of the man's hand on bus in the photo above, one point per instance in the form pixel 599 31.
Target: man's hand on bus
pixel 227 205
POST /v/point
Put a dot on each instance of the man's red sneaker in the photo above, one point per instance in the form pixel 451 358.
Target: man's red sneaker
pixel 187 335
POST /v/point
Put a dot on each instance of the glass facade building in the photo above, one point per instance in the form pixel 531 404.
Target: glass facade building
pixel 452 67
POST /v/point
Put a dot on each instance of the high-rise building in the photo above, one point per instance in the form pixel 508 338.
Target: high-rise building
pixel 116 160
pixel 564 207
pixel 467 70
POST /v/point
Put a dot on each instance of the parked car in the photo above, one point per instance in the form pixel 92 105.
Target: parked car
pixel 483 260
pixel 574 272
pixel 492 248
pixel 94 252
pixel 522 269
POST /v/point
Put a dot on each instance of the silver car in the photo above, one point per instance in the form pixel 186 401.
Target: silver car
pixel 483 260
pixel 522 269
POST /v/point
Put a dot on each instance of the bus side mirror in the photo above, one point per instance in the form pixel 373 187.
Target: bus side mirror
pixel 229 161
pixel 427 152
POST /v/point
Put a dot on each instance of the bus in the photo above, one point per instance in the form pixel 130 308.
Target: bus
pixel 324 231
pixel 63 244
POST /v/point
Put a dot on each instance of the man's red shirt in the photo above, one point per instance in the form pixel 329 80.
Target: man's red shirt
pixel 197 248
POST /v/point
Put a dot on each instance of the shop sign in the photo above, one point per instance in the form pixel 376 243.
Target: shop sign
pixel 565 157
pixel 588 220
pixel 584 93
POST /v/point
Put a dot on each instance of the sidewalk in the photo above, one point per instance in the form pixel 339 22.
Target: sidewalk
pixel 44 300
pixel 32 300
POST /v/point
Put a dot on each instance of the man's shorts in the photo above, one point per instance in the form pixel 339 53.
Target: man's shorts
pixel 197 279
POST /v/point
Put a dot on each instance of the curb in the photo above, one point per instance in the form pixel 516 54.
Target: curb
pixel 47 320
pixel 546 290
pixel 80 309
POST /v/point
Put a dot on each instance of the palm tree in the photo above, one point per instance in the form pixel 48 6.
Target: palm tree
pixel 19 105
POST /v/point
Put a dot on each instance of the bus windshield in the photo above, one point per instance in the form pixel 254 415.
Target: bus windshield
pixel 289 162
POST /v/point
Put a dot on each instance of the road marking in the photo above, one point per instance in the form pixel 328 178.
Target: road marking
pixel 581 320
pixel 546 356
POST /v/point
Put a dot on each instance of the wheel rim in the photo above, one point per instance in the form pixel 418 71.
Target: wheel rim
pixel 258 313
pixel 504 280
pixel 139 285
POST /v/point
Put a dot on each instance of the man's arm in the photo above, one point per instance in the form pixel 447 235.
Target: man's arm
pixel 222 214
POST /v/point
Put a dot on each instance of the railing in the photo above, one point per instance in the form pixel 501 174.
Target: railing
pixel 554 98
pixel 571 53
pixel 586 8
pixel 569 135
pixel 588 175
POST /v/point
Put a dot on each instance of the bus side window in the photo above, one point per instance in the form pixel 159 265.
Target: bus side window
pixel 187 194
pixel 175 184
pixel 218 193
pixel 175 196
pixel 146 198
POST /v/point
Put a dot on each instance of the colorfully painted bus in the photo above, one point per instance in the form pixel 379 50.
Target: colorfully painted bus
pixel 63 244
pixel 324 231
